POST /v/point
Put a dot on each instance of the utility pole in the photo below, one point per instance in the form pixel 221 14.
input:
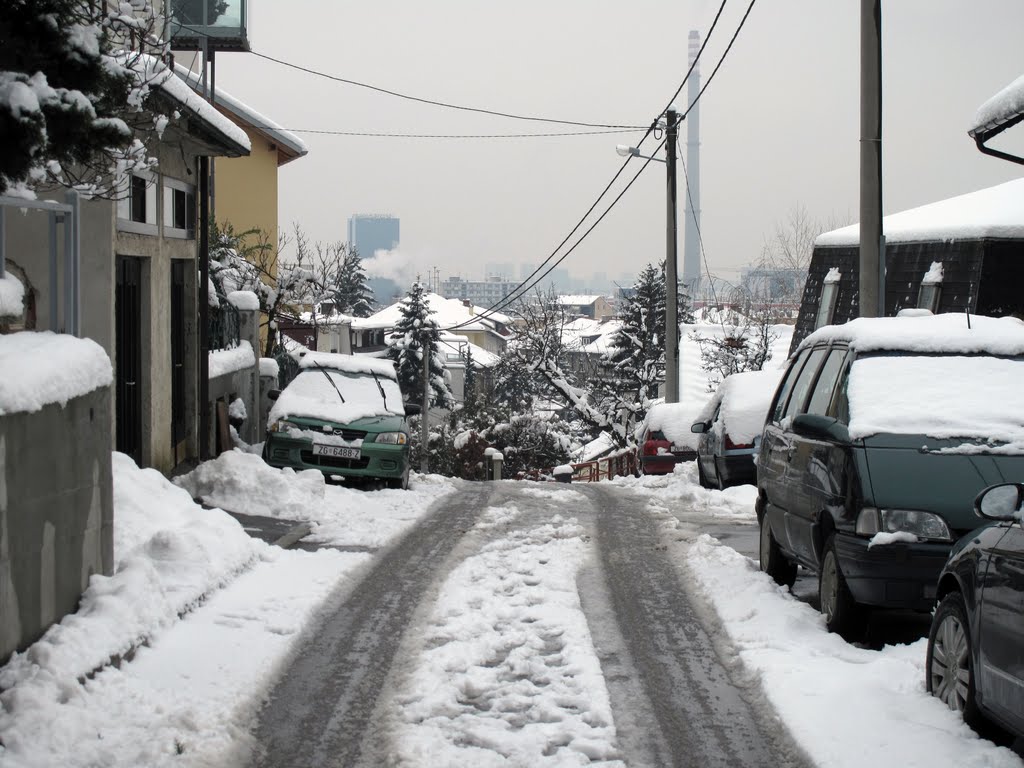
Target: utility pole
pixel 425 413
pixel 671 279
pixel 872 245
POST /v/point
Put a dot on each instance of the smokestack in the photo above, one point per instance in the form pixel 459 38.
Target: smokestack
pixel 691 240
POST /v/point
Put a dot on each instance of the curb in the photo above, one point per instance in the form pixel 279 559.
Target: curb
pixel 293 536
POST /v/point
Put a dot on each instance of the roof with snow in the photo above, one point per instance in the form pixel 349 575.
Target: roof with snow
pixel 991 213
pixel 289 146
pixel 1000 112
pixel 947 333
pixel 452 344
pixel 157 75
pixel 578 300
pixel 445 312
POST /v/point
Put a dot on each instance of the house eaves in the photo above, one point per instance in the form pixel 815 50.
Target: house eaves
pixel 1002 111
pixel 289 146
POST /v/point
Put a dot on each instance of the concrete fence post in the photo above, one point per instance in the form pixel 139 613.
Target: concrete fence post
pixel 249 330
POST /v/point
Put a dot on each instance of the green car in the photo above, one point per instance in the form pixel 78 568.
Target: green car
pixel 344 416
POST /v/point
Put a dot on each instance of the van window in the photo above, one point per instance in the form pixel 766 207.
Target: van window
pixel 787 386
pixel 804 382
pixel 822 395
pixel 841 402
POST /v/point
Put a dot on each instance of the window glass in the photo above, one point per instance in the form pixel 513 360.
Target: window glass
pixel 138 199
pixel 804 382
pixel 787 386
pixel 827 305
pixel 842 399
pixel 928 297
pixel 822 394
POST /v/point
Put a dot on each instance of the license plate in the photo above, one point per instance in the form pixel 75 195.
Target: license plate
pixel 336 450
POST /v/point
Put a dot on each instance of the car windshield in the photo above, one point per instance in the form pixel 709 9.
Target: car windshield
pixel 312 394
pixel 941 396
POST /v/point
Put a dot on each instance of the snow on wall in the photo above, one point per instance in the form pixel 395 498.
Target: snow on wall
pixel 40 368
pixel 995 212
pixel 12 296
pixel 225 361
pixel 269 367
pixel 244 300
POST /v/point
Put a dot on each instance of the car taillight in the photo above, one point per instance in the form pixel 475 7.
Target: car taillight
pixel 731 446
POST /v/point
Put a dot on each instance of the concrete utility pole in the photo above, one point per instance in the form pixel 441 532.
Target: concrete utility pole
pixel 671 279
pixel 872 245
pixel 425 413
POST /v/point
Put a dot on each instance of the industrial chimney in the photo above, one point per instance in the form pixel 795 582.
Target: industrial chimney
pixel 691 242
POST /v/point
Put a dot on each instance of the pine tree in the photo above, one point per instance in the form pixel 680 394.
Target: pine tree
pixel 350 288
pixel 637 353
pixel 415 332
pixel 67 100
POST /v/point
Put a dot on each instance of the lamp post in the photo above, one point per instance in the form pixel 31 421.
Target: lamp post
pixel 671 253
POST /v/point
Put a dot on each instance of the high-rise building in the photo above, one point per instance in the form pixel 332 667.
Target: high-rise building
pixel 372 232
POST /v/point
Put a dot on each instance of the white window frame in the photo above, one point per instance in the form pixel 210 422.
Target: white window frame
pixel 170 186
pixel 124 207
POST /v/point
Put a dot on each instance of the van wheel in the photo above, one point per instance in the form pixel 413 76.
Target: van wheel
pixel 842 615
pixel 773 562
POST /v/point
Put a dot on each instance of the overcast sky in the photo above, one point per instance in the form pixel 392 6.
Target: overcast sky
pixel 779 124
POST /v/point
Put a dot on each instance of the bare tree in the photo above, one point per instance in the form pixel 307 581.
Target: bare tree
pixel 786 253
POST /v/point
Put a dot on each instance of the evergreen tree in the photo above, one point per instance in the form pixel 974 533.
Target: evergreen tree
pixel 70 107
pixel 637 354
pixel 416 334
pixel 350 288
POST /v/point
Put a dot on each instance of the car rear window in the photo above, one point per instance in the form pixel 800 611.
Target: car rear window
pixel 942 396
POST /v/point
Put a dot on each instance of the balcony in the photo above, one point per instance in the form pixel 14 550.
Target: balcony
pixel 222 24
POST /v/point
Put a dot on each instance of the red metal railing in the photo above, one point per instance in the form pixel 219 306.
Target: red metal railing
pixel 622 463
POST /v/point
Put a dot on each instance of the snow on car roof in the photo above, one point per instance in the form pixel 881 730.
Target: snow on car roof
pixel 994 212
pixel 349 363
pixel 946 333
pixel 745 398
pixel 675 420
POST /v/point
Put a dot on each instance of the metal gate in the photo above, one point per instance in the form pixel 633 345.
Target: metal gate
pixel 128 345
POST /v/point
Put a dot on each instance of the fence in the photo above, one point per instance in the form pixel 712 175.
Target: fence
pixel 605 468
pixel 224 327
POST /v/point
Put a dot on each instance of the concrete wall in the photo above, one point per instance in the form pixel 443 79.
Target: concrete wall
pixel 56 513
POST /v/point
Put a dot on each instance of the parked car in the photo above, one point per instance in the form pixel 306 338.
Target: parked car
pixel 975 660
pixel 879 437
pixel 342 415
pixel 665 438
pixel 730 425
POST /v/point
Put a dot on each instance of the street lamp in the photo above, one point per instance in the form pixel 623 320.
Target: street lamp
pixel 671 225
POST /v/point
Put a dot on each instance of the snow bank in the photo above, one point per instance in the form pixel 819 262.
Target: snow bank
pixel 12 296
pixel 226 361
pixel 41 368
pixel 815 679
pixel 168 553
pixel 244 482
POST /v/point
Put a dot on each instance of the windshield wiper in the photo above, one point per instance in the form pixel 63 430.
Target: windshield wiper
pixel 325 373
pixel 381 388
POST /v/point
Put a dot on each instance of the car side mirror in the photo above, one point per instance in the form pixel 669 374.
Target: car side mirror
pixel 1000 502
pixel 699 427
pixel 412 409
pixel 273 394
pixel 814 426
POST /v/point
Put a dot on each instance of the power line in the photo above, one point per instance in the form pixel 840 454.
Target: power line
pixel 518 292
pixel 449 135
pixel 436 103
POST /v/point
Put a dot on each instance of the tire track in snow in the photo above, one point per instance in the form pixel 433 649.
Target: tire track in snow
pixel 322 706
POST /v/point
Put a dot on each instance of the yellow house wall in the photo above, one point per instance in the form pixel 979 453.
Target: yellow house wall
pixel 246 195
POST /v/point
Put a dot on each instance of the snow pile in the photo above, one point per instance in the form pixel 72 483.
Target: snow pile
pixel 42 368
pixel 681 491
pixel 934 274
pixel 12 296
pixel 244 300
pixel 226 361
pixel 269 367
pixel 812 677
pixel 508 674
pixel 243 482
pixel 169 553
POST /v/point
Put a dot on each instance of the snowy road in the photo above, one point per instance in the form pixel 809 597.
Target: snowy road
pixel 672 701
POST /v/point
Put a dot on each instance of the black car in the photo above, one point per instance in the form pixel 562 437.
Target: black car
pixel 976 645
pixel 881 434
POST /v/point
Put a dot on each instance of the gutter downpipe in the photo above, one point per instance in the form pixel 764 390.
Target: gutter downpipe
pixel 204 308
